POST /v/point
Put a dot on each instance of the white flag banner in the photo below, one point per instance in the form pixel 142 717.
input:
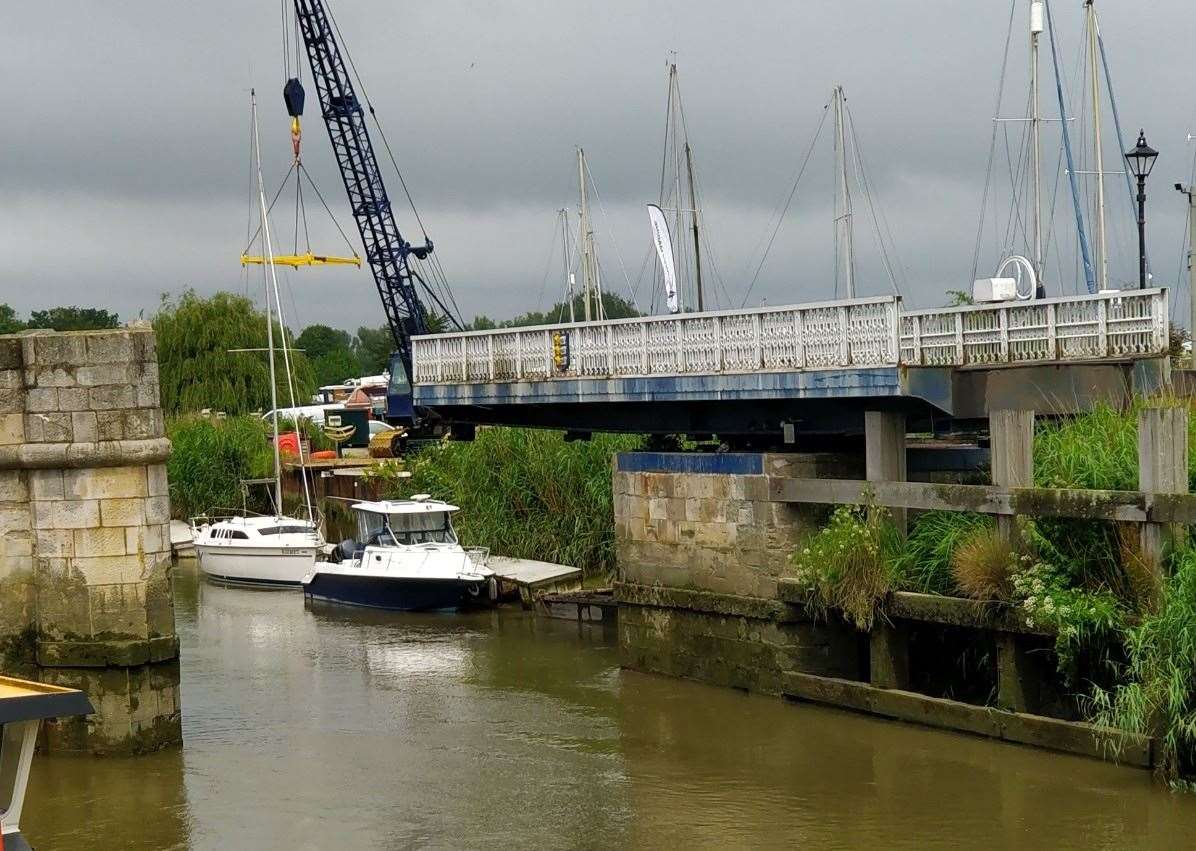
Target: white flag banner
pixel 664 251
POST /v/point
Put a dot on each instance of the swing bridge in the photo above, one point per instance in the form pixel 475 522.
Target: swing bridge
pixel 805 368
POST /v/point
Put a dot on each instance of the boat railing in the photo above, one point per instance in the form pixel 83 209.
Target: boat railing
pixel 478 556
pixel 860 333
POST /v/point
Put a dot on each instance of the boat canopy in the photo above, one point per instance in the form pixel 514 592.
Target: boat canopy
pixel 415 505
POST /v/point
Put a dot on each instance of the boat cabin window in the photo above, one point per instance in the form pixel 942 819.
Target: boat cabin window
pixel 423 528
pixel 231 533
pixel 284 530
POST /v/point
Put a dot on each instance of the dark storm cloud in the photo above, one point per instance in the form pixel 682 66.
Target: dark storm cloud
pixel 124 170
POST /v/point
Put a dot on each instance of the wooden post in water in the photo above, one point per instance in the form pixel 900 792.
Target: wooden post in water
pixel 884 448
pixel 884 461
pixel 1162 468
pixel 1012 435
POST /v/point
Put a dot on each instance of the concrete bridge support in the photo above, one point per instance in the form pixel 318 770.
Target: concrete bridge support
pixel 85 589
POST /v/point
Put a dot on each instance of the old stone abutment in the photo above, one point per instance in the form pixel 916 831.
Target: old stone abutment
pixel 85 587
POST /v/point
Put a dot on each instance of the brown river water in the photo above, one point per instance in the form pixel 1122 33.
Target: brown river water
pixel 347 729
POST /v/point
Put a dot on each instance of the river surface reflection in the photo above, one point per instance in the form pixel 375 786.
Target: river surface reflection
pixel 333 728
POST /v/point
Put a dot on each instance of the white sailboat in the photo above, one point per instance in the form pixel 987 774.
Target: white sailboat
pixel 263 549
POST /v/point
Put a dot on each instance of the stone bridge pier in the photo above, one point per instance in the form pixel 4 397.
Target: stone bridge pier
pixel 85 586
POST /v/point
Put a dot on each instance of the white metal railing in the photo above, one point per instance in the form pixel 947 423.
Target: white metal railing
pixel 825 335
pixel 792 338
pixel 1119 325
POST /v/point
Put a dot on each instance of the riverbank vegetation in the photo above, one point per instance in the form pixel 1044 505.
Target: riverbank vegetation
pixel 525 493
pixel 1124 643
pixel 211 457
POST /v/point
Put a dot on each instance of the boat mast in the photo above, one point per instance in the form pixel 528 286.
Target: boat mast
pixel 693 203
pixel 268 245
pixel 1036 27
pixel 1093 57
pixel 568 259
pixel 587 240
pixel 845 260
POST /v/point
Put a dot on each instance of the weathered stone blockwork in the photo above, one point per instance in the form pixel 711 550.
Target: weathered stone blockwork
pixel 700 549
pixel 712 531
pixel 84 528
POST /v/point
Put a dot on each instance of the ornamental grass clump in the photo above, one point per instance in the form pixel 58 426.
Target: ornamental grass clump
pixel 924 563
pixel 983 563
pixel 848 564
pixel 1158 697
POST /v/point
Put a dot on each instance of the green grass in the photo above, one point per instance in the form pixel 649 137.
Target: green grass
pixel 526 493
pixel 1158 696
pixel 923 563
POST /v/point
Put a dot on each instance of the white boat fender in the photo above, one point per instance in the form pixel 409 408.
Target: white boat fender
pixel 493 583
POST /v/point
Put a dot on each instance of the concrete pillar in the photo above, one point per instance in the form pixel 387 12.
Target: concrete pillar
pixel 1012 436
pixel 84 530
pixel 1162 468
pixel 884 447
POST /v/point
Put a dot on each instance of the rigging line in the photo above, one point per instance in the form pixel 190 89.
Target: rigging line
pixel 610 230
pixel 1129 184
pixel 706 243
pixel 992 145
pixel 328 209
pixel 548 265
pixel 866 184
pixel 298 204
pixel 370 105
pixel 274 201
pixel 1089 269
pixel 801 171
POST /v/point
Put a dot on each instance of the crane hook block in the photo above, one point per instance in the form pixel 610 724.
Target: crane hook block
pixel 292 93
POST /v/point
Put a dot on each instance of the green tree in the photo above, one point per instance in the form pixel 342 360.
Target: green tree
pixel 197 368
pixel 374 346
pixel 9 323
pixel 331 353
pixel 74 318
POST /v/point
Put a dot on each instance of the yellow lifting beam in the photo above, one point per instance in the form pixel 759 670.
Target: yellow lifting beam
pixel 297 260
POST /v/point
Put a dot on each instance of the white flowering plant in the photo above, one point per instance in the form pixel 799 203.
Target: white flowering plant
pixel 847 565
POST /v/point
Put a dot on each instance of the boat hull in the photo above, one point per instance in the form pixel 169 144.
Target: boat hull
pixel 256 565
pixel 406 594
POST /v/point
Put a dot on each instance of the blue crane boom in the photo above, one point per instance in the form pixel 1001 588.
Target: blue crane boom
pixel 387 253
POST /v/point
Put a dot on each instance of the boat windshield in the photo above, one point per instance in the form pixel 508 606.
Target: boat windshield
pixel 424 528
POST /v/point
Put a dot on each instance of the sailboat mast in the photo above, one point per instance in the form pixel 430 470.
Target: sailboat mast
pixel 693 203
pixel 268 245
pixel 568 260
pixel 587 282
pixel 846 258
pixel 1036 27
pixel 1094 73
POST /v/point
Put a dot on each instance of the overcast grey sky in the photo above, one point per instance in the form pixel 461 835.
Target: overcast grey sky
pixel 124 164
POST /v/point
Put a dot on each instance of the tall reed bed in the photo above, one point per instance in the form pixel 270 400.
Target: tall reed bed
pixel 526 493
pixel 209 459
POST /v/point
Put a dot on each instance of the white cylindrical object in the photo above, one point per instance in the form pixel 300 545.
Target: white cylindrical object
pixel 1036 17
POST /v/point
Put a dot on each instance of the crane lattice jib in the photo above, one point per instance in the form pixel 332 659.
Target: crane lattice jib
pixel 385 249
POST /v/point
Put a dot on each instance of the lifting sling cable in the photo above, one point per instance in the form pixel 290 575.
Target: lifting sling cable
pixel 1089 271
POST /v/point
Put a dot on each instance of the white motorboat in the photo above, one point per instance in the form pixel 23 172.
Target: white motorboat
pixel 260 550
pixel 407 558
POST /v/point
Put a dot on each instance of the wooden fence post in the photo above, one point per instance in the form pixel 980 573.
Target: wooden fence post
pixel 1012 435
pixel 884 452
pixel 1162 468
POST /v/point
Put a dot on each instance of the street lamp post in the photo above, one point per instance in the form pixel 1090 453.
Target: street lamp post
pixel 1141 160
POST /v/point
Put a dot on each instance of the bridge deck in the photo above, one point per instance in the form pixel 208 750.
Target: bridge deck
pixel 642 372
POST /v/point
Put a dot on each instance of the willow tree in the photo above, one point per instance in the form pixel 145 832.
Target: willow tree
pixel 200 366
